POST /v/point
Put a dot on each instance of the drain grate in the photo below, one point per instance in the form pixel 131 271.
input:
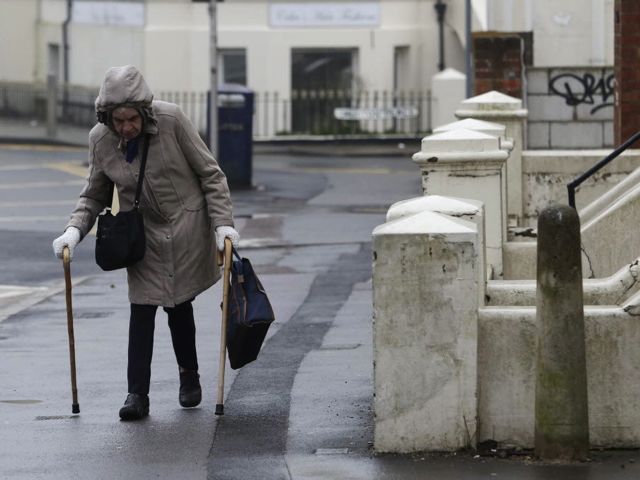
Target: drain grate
pixel 21 402
pixel 56 417
pixel 340 346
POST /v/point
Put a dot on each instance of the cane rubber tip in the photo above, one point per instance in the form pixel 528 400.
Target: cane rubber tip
pixel 75 408
pixel 219 409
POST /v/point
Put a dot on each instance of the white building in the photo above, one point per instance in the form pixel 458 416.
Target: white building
pixel 275 45
pixel 281 46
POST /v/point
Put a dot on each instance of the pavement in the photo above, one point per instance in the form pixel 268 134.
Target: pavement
pixel 303 410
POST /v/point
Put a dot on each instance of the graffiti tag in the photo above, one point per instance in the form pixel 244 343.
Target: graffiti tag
pixel 576 89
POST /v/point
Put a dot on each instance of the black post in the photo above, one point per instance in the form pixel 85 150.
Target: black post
pixel 441 8
pixel 65 58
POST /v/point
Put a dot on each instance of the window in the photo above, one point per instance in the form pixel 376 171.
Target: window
pixel 233 66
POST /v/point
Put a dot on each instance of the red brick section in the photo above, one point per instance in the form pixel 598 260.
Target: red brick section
pixel 627 69
pixel 498 63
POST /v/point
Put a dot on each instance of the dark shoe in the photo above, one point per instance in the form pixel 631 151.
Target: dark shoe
pixel 135 407
pixel 190 391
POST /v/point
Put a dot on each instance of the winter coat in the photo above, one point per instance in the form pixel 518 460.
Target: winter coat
pixel 184 196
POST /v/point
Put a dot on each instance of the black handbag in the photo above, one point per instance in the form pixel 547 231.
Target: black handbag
pixel 249 314
pixel 120 240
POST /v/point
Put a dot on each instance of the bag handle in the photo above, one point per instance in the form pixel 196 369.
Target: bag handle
pixel 143 163
pixel 239 264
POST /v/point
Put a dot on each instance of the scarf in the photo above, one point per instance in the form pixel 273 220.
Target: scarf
pixel 132 149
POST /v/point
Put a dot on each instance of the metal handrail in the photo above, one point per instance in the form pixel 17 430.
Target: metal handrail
pixel 571 187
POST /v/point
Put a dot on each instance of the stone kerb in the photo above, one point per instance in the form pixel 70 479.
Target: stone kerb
pixel 490 128
pixel 466 163
pixel 497 107
pixel 425 333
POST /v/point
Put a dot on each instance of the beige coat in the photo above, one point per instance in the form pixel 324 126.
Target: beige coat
pixel 184 198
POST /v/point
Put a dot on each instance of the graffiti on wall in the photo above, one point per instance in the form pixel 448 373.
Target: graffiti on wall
pixel 584 89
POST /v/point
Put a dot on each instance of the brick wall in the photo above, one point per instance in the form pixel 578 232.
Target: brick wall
pixel 627 69
pixel 498 63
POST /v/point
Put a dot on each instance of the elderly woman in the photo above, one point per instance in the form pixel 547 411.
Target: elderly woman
pixel 184 199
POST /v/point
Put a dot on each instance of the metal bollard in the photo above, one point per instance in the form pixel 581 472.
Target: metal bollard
pixel 561 408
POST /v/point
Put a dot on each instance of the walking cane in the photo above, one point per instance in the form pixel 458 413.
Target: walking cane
pixel 75 406
pixel 228 246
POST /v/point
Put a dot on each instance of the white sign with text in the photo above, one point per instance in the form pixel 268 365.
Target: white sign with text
pixel 330 14
pixel 129 14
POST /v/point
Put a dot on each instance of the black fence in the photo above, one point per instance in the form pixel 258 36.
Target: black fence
pixel 23 101
pixel 315 112
pixel 29 101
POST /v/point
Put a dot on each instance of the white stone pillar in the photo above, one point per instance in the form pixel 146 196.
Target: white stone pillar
pixel 497 107
pixel 448 89
pixel 490 128
pixel 425 283
pixel 464 163
pixel 464 208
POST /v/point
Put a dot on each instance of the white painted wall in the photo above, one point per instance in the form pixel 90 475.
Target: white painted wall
pixel 17 39
pixel 584 28
pixel 47 29
pixel 172 46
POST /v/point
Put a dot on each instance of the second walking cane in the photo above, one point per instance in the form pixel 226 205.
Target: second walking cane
pixel 66 260
pixel 228 249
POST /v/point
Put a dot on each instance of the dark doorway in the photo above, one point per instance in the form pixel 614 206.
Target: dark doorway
pixel 320 81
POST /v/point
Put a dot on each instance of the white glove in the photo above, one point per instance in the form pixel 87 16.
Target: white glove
pixel 226 232
pixel 70 238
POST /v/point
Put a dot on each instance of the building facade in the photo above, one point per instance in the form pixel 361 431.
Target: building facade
pixel 287 48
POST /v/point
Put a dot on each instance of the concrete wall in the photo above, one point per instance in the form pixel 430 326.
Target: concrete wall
pixel 506 375
pixel 546 173
pixel 570 107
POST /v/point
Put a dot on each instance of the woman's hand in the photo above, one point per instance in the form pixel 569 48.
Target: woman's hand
pixel 226 232
pixel 70 238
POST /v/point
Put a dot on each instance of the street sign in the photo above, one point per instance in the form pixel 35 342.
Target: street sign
pixel 375 113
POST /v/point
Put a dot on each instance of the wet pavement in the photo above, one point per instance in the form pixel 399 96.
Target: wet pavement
pixel 303 410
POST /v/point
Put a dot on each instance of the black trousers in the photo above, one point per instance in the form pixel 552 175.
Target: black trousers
pixel 141 328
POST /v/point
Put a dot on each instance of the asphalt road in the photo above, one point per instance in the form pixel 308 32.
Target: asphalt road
pixel 305 225
pixel 303 410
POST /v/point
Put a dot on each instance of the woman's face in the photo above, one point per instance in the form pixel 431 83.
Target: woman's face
pixel 127 122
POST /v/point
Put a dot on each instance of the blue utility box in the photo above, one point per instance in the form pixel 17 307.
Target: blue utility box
pixel 235 133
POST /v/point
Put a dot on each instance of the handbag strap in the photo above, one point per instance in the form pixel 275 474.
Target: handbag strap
pixel 143 163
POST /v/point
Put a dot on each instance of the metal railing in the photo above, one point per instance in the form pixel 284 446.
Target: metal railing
pixel 370 113
pixel 571 187
pixel 304 112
